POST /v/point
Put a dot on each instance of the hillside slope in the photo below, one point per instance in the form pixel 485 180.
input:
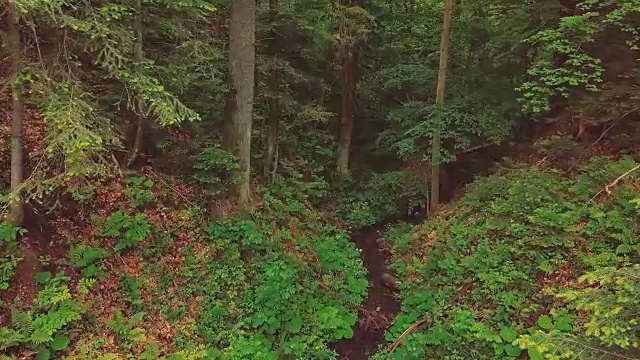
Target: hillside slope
pixel 530 261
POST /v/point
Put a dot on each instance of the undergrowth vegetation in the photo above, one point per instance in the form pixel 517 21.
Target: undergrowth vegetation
pixel 529 261
pixel 282 283
pixel 383 196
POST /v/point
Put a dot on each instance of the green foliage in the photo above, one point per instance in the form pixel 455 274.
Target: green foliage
pixel 43 326
pixel 488 266
pixel 85 258
pixel 580 70
pixel 604 297
pixel 398 91
pixel 9 257
pixel 280 284
pixel 213 166
pixel 90 82
pixel 139 190
pixel 125 328
pixel 128 230
pixel 130 290
pixel 577 39
pixel 384 196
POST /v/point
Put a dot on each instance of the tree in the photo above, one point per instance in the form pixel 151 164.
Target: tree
pixel 242 61
pixel 273 131
pixel 440 97
pixel 353 27
pixel 138 54
pixel 13 44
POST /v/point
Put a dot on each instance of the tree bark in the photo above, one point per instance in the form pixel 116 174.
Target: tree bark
pixel 242 60
pixel 138 54
pixel 440 97
pixel 271 154
pixel 347 112
pixel 13 45
pixel 348 107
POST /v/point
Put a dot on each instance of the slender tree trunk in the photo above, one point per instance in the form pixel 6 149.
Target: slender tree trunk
pixel 440 96
pixel 271 155
pixel 242 60
pixel 138 54
pixel 348 106
pixel 13 44
pixel 347 113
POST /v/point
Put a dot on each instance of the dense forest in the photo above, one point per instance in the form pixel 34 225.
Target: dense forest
pixel 320 179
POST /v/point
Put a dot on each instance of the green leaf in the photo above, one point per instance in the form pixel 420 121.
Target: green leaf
pixel 512 351
pixel 564 323
pixel 43 354
pixel 345 333
pixel 294 325
pixel 137 334
pixel 534 354
pixel 623 249
pixel 43 277
pixel 509 334
pixel 544 322
pixel 60 343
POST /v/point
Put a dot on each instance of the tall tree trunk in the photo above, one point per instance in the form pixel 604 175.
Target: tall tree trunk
pixel 13 44
pixel 347 113
pixel 242 61
pixel 138 54
pixel 348 107
pixel 271 154
pixel 440 96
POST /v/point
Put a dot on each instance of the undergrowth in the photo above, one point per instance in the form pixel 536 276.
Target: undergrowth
pixel 383 196
pixel 149 282
pixel 528 262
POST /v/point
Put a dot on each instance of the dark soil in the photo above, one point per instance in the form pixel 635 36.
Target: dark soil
pixel 381 307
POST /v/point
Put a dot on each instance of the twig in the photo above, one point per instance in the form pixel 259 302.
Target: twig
pixel 117 164
pixel 478 147
pixel 615 182
pixel 410 329
pixel 542 161
pixel 610 127
pixel 326 288
pixel 170 187
pixel 602 135
pixel 35 37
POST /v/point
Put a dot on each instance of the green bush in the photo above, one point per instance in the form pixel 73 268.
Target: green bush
pixel 9 257
pixel 485 272
pixel 383 196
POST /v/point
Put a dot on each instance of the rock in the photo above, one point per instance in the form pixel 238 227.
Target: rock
pixel 390 281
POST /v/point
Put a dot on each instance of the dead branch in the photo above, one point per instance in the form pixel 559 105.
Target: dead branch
pixel 425 320
pixel 615 182
pixel 609 128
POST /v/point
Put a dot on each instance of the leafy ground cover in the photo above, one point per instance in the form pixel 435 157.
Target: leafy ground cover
pixel 144 275
pixel 531 262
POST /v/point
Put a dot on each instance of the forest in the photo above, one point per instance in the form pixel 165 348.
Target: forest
pixel 319 179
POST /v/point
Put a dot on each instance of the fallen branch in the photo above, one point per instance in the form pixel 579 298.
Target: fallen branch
pixel 479 147
pixel 615 182
pixel 609 128
pixel 425 320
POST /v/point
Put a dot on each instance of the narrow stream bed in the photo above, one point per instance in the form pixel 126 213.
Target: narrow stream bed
pixel 381 306
pixel 378 313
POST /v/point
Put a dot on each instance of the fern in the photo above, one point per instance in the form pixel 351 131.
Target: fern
pixel 40 327
pixel 9 338
pixel 82 255
pixel 129 229
pixel 126 330
pixel 22 321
